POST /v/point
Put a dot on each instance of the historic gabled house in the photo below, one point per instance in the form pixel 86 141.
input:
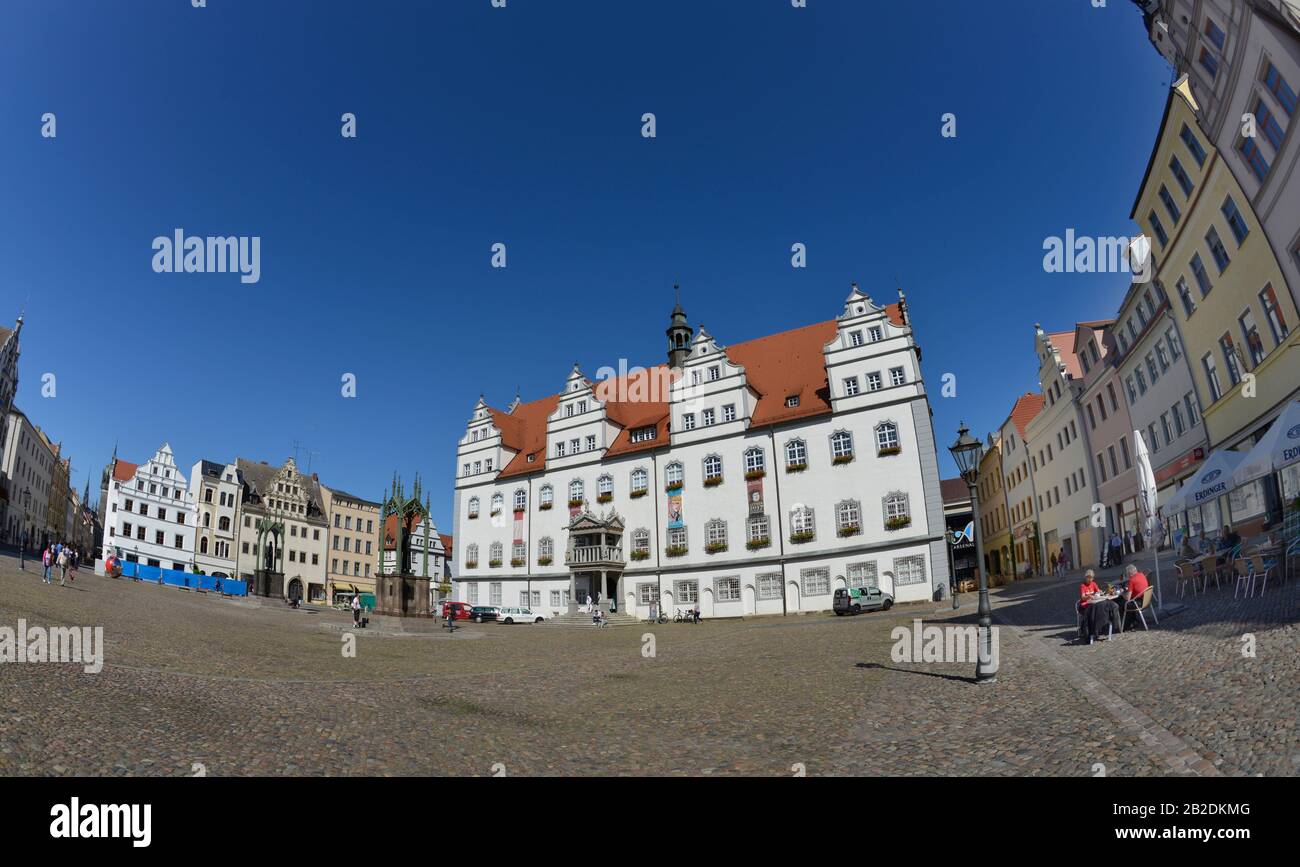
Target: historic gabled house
pixel 149 517
pixel 755 478
pixel 215 489
pixel 282 531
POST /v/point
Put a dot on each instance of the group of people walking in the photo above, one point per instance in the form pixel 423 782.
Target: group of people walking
pixel 61 557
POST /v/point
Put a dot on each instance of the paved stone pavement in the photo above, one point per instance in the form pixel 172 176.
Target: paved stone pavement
pixel 244 688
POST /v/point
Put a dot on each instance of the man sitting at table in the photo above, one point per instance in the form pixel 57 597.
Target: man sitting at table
pixel 1187 551
pixel 1137 584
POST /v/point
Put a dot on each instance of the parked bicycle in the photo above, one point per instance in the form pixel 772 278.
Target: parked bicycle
pixel 689 617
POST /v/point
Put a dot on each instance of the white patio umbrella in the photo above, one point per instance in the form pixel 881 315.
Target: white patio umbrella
pixel 1147 505
pixel 1279 448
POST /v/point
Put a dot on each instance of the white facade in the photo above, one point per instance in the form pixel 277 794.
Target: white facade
pixel 787 458
pixel 150 514
pixel 1243 57
pixel 214 489
pixel 29 460
pixel 1059 455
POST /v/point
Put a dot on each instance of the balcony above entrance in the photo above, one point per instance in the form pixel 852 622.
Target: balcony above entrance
pixel 595 540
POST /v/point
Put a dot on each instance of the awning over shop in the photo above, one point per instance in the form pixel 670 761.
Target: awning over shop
pixel 1213 480
pixel 1277 449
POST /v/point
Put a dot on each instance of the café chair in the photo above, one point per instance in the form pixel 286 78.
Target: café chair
pixel 1186 575
pixel 1140 607
pixel 1260 566
pixel 1245 577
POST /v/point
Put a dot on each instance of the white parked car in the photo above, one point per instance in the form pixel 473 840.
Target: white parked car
pixel 520 615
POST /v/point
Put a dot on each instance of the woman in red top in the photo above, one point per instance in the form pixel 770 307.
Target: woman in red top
pixel 1088 587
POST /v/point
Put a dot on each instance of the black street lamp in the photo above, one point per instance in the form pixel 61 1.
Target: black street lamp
pixel 967 452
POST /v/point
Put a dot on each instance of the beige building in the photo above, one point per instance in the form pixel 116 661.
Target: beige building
pixel 353 545
pixel 1018 485
pixel 1227 291
pixel 29 459
pixel 282 531
pixel 995 528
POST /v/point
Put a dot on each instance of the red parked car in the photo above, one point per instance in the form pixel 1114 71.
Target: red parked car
pixel 455 610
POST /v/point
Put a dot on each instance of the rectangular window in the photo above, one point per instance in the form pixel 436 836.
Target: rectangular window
pixel 1209 63
pixel 1193 144
pixel 873 381
pixel 850 385
pixel 686 592
pixel 1276 85
pixel 769 585
pixel 815 582
pixel 688 421
pixel 591 442
pixel 494 593
pixel 1158 228
pixel 1193 410
pixel 909 570
pixel 1235 221
pixel 1180 175
pixel 1217 250
pixel 1229 350
pixel 646 594
pixel 855 338
pixel 706 417
pixel 729 412
pixel 471 592
pixel 1211 376
pixel 1214 34
pixel 1202 276
pixel 896 376
pixel 1250 333
pixel 727 589
pixel 1267 121
pixel 863 574
pixel 1273 314
pixel 1171 208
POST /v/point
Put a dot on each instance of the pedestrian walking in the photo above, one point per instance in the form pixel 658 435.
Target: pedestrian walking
pixel 1053 561
pixel 47 560
pixel 356 610
pixel 63 567
pixel 22 551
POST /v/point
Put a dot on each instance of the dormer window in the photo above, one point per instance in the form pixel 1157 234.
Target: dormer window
pixel 559 449
pixel 568 410
pixel 875 333
pixel 643 434
pixel 582 406
pixel 855 338
pixel 715 372
pixel 792 401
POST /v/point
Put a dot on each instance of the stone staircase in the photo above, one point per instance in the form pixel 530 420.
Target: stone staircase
pixel 584 620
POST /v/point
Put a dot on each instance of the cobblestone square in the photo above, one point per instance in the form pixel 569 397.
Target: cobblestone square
pixel 247 689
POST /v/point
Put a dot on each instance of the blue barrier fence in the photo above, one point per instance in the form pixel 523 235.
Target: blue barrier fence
pixel 228 586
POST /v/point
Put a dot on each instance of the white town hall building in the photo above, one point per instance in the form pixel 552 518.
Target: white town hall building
pixel 750 479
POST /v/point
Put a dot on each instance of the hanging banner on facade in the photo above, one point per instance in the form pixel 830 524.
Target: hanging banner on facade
pixel 675 508
pixel 754 490
pixel 519 526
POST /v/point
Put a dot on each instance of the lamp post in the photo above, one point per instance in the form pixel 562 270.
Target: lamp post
pixel 967 452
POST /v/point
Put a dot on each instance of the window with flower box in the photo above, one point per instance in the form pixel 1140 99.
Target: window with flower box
pixel 676 542
pixel 887 442
pixel 712 471
pixel 640 483
pixel 674 475
pixel 473 507
pixel 518 555
pixel 796 456
pixel 803 527
pixel 575 493
pixel 715 536
pixel 545 551
pixel 545 498
pixel 897 512
pixel 755 463
pixel 758 532
pixel 640 544
pixel 498 501
pixel 605 489
pixel 841 447
pixel 848 518
pixel 494 555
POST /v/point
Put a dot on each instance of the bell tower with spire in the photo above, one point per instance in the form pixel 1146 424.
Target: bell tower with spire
pixel 679 333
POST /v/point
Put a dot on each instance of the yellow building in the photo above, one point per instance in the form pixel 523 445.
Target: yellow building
pixel 995 529
pixel 1232 306
pixel 353 553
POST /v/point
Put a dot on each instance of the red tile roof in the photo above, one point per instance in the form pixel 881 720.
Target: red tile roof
pixel 777 367
pixel 390 531
pixel 124 471
pixel 446 544
pixel 954 491
pixel 1027 406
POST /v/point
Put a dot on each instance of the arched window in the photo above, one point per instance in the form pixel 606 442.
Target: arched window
pixel 887 438
pixel 640 543
pixel 575 492
pixel 545 550
pixel 207 519
pixel 497 502
pixel 521 499
pixel 203 545
pixel 604 488
pixel 471 556
pixel 715 536
pixel 223 524
pixel 898 513
pixel 494 555
pixel 713 470
pixel 841 447
pixel 473 507
pixel 640 481
pixel 755 463
pixel 673 475
pixel 803 526
pixel 546 496
pixel 796 456
pixel 848 518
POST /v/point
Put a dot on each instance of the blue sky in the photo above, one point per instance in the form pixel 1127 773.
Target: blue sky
pixel 478 125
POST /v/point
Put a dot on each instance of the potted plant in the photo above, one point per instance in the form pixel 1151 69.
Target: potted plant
pixel 758 544
pixel 517 562
pixel 544 561
pixel 898 522
pixel 575 503
pixel 493 564
pixel 675 551
pixel 796 468
pixel 545 507
pixel 604 498
pixel 714 547
pixel 750 475
pixel 802 536
pixel 850 530
pixel 886 451
pixel 641 492
pixel 471 564
pixel 495 512
pixel 712 481
pixel 841 459
pixel 640 555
